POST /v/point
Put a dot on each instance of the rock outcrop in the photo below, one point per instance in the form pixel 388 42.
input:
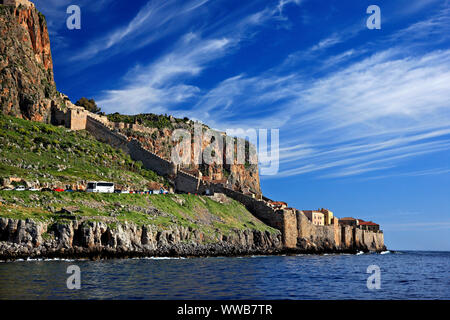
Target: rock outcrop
pixel 27 86
pixel 23 239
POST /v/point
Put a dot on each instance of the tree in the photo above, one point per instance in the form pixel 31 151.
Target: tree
pixel 89 105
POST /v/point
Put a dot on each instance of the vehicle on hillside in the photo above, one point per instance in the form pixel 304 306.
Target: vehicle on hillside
pixel 69 190
pixel 121 191
pixel 34 189
pixel 20 188
pixel 46 190
pixel 58 190
pixel 100 187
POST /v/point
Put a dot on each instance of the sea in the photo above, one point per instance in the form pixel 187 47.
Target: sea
pixel 392 275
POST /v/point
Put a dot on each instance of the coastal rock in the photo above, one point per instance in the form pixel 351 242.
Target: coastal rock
pixel 30 239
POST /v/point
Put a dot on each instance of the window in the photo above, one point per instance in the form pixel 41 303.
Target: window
pixel 105 184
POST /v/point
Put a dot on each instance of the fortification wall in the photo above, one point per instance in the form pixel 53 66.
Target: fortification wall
pixel 368 240
pixel 347 236
pixel 76 119
pixel 150 160
pixel 323 235
pixel 104 134
pixel 187 183
pixel 289 229
pixel 258 208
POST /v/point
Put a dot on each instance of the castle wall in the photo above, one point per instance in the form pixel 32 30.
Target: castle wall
pixel 289 230
pixel 150 160
pixel 347 236
pixel 104 134
pixel 187 183
pixel 325 235
pixel 258 208
pixel 76 119
pixel 368 239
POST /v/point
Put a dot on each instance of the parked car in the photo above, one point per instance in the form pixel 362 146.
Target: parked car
pixel 46 190
pixel 58 190
pixel 33 189
pixel 69 190
pixel 7 189
pixel 20 188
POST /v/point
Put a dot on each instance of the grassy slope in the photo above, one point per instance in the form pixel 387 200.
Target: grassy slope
pixel 38 152
pixel 198 212
pixel 35 151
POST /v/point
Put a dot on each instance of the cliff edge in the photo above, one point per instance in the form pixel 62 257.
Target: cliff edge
pixel 27 86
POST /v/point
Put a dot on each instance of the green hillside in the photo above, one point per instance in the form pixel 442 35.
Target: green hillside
pixel 38 152
pixel 198 212
pixel 44 153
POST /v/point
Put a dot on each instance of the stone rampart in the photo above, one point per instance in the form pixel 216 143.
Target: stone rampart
pixel 106 135
pixel 187 183
pixel 258 208
pixel 150 160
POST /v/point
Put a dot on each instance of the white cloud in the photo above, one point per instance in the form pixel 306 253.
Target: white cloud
pixel 156 85
pixel 154 20
pixel 366 116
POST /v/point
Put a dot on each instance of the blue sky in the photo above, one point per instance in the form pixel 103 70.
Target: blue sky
pixel 364 115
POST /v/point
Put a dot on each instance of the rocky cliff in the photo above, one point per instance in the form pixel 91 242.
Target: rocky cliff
pixel 76 239
pixel 155 133
pixel 27 87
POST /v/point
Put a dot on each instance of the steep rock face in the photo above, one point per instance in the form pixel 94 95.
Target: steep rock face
pixel 31 239
pixel 240 176
pixel 27 87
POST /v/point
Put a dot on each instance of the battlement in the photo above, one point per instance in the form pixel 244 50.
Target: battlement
pixel 17 3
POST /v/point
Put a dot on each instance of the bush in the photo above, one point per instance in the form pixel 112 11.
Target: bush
pixel 89 105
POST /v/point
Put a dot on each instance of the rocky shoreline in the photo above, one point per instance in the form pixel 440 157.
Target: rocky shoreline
pixel 28 239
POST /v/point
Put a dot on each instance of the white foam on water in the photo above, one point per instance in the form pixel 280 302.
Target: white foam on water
pixel 164 258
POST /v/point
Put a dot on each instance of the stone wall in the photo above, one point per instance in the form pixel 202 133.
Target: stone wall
pixel 325 235
pixel 150 160
pixel 77 119
pixel 259 209
pixel 187 183
pixel 335 237
pixel 106 135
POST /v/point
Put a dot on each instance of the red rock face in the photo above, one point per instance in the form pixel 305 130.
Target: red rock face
pixel 27 87
pixel 38 35
pixel 240 176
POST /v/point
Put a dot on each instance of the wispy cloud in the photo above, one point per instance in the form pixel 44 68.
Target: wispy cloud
pixel 154 20
pixel 374 110
pixel 160 84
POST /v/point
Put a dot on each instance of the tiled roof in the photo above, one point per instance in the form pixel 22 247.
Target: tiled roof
pixel 368 223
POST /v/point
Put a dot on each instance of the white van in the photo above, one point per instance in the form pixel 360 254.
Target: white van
pixel 100 187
